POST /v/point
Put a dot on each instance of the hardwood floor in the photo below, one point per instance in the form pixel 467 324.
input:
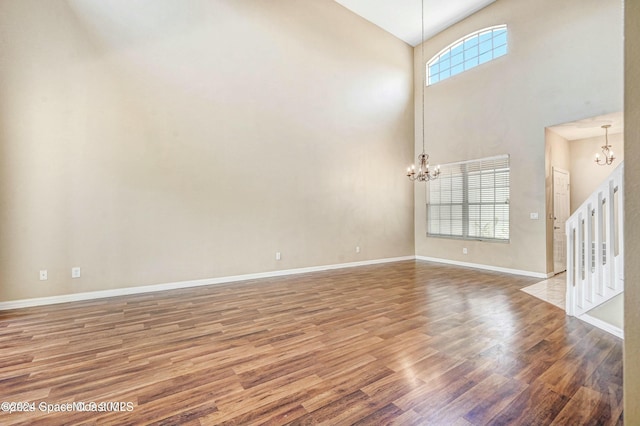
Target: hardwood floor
pixel 405 343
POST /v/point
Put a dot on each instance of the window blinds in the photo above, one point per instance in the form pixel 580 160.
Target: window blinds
pixel 470 200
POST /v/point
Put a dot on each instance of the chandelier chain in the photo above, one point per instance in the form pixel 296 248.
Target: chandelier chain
pixel 423 174
pixel 423 70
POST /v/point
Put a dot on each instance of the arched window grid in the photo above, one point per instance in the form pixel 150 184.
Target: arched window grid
pixel 468 52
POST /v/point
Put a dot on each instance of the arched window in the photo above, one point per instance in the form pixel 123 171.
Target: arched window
pixel 468 52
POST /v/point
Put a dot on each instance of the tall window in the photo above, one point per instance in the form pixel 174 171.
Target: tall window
pixel 470 200
pixel 468 52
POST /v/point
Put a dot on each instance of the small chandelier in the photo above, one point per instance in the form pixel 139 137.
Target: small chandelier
pixel 423 174
pixel 606 149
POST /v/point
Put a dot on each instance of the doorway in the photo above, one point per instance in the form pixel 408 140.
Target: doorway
pixel 561 188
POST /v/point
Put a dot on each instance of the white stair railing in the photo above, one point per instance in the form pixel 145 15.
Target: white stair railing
pixel 595 247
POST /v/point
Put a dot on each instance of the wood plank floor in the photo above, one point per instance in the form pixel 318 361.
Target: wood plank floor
pixel 405 343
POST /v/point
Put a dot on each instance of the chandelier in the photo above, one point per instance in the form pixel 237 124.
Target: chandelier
pixel 423 174
pixel 606 149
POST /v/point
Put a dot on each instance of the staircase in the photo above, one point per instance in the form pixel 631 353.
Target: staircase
pixel 595 247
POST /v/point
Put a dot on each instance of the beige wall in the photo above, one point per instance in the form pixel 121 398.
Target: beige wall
pixel 586 175
pixel 632 215
pixel 557 151
pixel 549 76
pixel 161 140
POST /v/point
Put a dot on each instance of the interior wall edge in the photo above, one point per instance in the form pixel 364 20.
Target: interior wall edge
pixel 486 267
pixel 125 291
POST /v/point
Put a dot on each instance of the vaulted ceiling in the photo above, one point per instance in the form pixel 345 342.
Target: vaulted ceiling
pixel 402 17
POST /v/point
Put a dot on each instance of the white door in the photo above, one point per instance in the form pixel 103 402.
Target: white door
pixel 560 216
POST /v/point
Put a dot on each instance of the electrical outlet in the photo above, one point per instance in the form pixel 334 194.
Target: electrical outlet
pixel 75 272
pixel 357 249
pixel 43 274
pixel 278 256
pixel 465 251
pixel 533 216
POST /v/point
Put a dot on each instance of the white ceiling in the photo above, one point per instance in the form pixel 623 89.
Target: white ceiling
pixel 402 17
pixel 590 127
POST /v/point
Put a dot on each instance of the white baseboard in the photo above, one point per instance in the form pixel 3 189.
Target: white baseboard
pixel 76 297
pixel 486 267
pixel 612 329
